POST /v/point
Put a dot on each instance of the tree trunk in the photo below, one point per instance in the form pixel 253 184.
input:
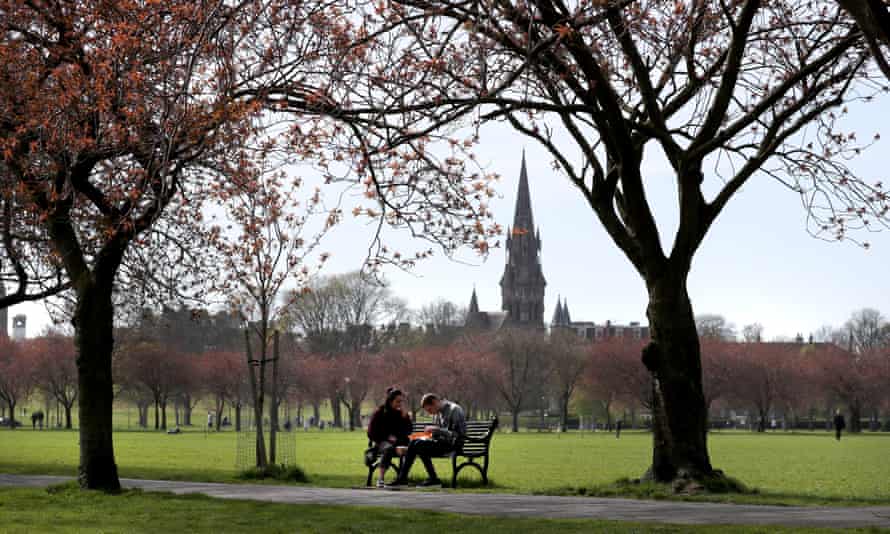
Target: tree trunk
pixel 564 413
pixel 673 357
pixel 93 324
pixel 220 406
pixel 238 416
pixel 164 414
pixel 515 417
pixel 273 400
pixel 316 409
pixel 855 417
pixel 12 415
pixel 157 414
pixel 355 415
pixel 68 416
pixel 187 410
pixel 335 410
pixel 256 390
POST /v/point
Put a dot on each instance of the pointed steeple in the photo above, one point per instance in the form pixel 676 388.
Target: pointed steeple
pixel 557 315
pixel 522 217
pixel 474 303
pixel 565 311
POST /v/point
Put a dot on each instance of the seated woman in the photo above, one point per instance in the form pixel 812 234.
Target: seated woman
pixel 389 429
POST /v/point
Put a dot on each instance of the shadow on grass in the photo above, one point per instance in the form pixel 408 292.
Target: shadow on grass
pixel 726 490
pixel 622 488
pixel 277 473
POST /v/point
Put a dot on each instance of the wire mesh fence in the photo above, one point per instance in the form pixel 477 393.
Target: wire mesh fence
pixel 285 449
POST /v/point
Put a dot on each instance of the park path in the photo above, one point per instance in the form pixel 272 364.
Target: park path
pixel 499 504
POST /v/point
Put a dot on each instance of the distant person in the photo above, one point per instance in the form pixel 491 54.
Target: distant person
pixel 618 428
pixel 388 430
pixel 447 432
pixel 321 425
pixel 839 424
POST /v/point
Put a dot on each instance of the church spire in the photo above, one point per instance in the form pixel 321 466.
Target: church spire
pixel 565 311
pixel 522 218
pixel 474 302
pixel 557 314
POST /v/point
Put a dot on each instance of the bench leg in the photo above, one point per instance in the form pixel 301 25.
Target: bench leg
pixel 485 470
pixel 454 471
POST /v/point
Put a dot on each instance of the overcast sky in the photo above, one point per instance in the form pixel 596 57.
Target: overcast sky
pixel 757 264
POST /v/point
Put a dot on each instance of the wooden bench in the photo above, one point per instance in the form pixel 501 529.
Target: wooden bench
pixel 476 445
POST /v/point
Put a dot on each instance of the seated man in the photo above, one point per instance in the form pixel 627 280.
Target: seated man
pixel 448 430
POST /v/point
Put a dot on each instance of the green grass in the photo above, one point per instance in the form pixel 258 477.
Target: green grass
pixel 66 509
pixel 782 468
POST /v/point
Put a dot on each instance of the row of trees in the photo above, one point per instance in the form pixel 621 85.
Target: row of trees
pixel 42 365
pixel 488 373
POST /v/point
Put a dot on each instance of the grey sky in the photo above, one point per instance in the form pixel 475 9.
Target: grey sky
pixel 757 264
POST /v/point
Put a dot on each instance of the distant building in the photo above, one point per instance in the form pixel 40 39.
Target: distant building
pixel 18 327
pixel 588 330
pixel 523 284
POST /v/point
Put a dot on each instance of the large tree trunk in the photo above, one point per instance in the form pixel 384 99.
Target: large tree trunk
pixel 164 414
pixel 157 414
pixel 673 357
pixel 515 420
pixel 93 324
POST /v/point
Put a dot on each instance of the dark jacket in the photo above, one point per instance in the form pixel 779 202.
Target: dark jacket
pixel 387 422
pixel 452 424
pixel 839 422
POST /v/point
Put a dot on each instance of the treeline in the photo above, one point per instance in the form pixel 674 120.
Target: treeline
pixel 506 372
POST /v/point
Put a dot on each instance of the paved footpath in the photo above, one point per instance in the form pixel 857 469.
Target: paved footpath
pixel 498 504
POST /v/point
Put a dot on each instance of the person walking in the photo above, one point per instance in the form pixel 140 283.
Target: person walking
pixel 446 434
pixel 839 424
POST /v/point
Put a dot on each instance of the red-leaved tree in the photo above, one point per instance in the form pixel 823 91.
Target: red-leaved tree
pixel 54 370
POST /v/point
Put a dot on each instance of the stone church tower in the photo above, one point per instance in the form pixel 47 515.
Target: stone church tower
pixel 522 285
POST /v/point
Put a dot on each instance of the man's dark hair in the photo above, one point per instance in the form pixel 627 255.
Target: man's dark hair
pixel 428 399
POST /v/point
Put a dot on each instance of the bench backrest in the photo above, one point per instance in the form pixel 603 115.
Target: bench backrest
pixel 477 430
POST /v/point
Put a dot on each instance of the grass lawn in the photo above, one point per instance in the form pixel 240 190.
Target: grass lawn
pixel 785 468
pixel 65 509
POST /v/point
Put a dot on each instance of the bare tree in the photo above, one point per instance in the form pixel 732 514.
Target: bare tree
pixel 441 314
pixel 867 331
pixel 520 364
pixel 713 326
pixel 567 359
pixel 752 333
